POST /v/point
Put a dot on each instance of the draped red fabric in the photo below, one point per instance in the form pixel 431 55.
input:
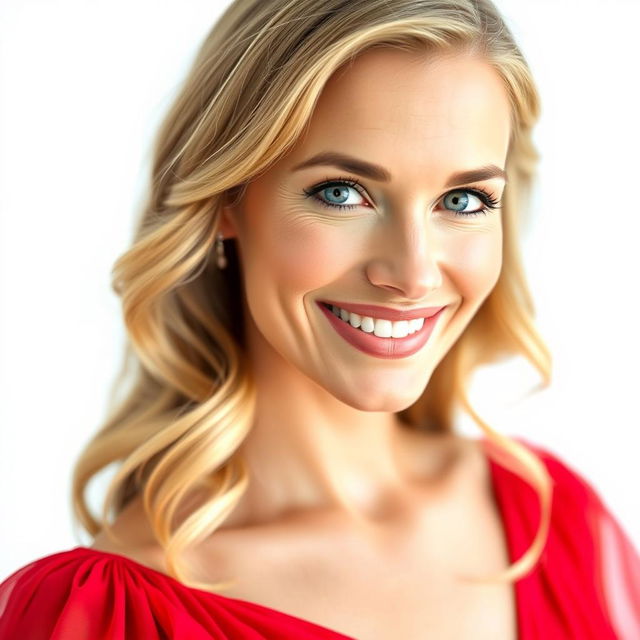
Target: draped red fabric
pixel 585 586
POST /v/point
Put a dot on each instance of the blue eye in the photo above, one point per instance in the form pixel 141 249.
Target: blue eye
pixel 458 201
pixel 335 194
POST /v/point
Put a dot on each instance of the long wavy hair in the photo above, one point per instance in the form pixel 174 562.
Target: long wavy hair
pixel 184 400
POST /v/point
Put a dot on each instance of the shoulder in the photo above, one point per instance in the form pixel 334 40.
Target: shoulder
pixel 587 539
pixel 575 505
pixel 565 476
pixel 569 481
pixel 86 594
pixel 44 590
pixel 577 514
pixel 89 594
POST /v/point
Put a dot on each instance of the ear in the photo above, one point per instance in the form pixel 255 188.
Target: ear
pixel 228 217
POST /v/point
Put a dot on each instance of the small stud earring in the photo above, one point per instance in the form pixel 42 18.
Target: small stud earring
pixel 221 259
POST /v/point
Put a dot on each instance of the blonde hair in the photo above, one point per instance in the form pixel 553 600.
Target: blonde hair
pixel 190 401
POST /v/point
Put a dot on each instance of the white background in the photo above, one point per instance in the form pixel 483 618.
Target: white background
pixel 83 86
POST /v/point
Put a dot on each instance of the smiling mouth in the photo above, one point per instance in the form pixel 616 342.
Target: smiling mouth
pixel 385 347
pixel 380 327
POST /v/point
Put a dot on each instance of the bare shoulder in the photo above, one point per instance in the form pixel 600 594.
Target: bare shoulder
pixel 135 538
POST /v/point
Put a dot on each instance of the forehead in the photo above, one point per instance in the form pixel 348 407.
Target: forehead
pixel 413 111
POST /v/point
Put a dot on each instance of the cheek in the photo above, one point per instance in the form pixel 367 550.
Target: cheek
pixel 288 244
pixel 311 253
pixel 474 261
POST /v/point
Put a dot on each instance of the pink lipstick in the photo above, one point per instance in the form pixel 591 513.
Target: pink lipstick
pixel 385 347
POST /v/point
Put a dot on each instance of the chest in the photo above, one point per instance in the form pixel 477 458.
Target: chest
pixel 410 591
pixel 371 604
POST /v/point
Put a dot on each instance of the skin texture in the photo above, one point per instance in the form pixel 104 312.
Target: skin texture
pixel 325 436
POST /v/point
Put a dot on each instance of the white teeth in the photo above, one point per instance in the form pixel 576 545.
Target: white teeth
pixel 379 327
pixel 367 325
pixel 400 329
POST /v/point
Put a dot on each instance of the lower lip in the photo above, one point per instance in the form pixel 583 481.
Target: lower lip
pixel 382 347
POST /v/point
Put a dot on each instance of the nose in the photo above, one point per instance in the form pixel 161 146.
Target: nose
pixel 408 264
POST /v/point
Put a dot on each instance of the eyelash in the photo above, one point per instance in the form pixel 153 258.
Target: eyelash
pixel 489 201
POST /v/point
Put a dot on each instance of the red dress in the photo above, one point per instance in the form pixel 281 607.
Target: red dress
pixel 585 586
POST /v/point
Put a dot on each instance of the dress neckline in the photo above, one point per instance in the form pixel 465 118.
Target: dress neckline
pixel 498 496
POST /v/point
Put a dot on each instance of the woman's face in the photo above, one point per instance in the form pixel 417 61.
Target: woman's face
pixel 410 235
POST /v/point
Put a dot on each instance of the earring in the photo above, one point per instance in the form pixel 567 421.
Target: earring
pixel 221 259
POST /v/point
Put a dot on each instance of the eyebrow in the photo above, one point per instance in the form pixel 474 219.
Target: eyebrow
pixel 376 172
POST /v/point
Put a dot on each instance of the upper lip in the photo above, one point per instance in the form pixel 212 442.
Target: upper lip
pixel 386 313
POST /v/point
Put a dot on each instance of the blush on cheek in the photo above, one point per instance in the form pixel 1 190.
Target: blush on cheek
pixel 477 263
pixel 311 258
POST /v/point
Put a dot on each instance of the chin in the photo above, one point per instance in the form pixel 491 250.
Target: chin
pixel 381 400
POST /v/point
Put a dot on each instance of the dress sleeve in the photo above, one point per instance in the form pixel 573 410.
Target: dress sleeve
pixel 618 569
pixel 89 596
pixel 610 553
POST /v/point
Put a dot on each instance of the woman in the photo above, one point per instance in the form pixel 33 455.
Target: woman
pixel 328 251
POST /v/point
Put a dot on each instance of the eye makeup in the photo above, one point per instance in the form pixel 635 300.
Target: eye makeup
pixel 490 202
